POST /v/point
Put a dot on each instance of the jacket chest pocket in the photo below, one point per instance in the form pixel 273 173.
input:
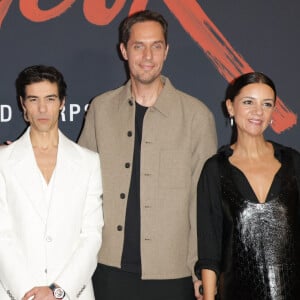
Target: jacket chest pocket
pixel 174 169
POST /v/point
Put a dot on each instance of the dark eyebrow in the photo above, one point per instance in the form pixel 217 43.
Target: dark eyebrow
pixel 48 96
pixel 137 42
pixel 155 42
pixel 52 96
pixel 248 97
pixel 30 97
pixel 253 98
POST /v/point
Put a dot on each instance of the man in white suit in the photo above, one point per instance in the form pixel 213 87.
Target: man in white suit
pixel 50 201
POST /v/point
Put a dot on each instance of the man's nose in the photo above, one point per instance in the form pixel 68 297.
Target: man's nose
pixel 148 53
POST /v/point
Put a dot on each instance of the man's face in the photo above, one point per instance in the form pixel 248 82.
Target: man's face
pixel 42 105
pixel 146 51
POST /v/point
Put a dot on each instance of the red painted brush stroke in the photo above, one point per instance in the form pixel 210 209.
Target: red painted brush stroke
pixel 30 9
pixel 4 6
pixel 97 13
pixel 228 62
pixel 138 5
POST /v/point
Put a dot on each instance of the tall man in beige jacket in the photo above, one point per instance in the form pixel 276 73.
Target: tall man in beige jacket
pixel 152 140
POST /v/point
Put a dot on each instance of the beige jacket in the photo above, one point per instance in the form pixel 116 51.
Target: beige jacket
pixel 178 136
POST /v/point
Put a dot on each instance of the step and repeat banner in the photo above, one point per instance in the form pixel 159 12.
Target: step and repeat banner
pixel 211 42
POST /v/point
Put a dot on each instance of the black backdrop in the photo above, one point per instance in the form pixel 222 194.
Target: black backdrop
pixel 210 42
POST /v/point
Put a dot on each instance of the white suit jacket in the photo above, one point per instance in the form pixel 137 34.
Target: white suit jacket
pixel 41 244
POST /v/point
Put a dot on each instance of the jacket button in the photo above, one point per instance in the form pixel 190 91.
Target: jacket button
pixel 130 102
pixel 127 165
pixel 119 227
pixel 122 196
pixel 129 133
pixel 49 238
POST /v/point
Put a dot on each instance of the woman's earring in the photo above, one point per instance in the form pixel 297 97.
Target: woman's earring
pixel 271 122
pixel 231 121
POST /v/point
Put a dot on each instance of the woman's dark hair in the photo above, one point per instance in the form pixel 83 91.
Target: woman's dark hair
pixel 38 73
pixel 138 17
pixel 237 84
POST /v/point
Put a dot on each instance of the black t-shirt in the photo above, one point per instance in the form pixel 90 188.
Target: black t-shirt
pixel 131 257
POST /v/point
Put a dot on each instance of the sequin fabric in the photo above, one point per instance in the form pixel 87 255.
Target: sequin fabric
pixel 261 255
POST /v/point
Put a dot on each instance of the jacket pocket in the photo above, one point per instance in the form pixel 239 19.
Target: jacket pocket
pixel 174 169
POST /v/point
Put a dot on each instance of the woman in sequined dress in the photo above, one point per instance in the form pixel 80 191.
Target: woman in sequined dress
pixel 248 205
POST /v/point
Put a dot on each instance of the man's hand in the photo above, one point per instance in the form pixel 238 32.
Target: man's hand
pixel 39 293
pixel 197 285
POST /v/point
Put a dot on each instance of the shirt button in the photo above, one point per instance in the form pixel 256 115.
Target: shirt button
pixel 122 196
pixel 127 165
pixel 130 102
pixel 119 227
pixel 129 133
pixel 48 238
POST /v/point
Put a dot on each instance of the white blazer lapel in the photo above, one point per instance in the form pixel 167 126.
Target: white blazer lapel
pixel 67 175
pixel 27 173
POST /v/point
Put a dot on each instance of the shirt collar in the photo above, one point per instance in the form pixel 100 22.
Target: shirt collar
pixel 163 104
